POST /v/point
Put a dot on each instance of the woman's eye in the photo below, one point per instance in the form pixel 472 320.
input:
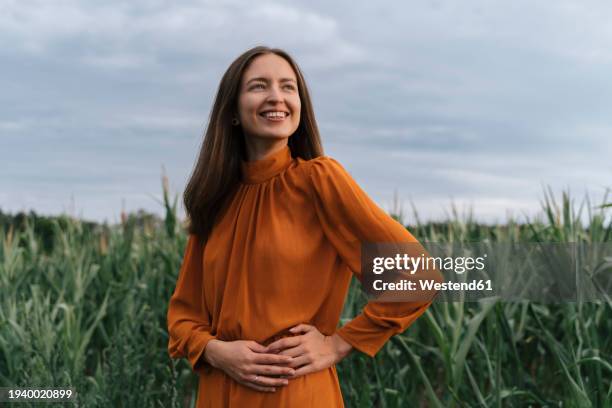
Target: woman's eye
pixel 256 86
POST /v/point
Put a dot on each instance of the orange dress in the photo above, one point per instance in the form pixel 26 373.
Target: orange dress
pixel 283 253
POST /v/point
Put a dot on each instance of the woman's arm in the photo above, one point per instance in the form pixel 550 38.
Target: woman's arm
pixel 189 327
pixel 349 217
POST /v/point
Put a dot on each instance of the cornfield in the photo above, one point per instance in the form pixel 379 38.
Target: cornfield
pixel 89 312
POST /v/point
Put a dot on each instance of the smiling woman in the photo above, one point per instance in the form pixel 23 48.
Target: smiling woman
pixel 274 239
pixel 269 104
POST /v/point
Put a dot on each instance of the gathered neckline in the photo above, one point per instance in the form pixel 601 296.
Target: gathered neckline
pixel 258 171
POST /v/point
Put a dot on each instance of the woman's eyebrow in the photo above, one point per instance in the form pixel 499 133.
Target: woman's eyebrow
pixel 267 80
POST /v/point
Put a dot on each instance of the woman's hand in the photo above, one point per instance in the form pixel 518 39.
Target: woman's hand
pixel 311 351
pixel 248 363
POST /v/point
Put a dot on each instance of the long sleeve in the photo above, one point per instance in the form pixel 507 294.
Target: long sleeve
pixel 189 326
pixel 349 217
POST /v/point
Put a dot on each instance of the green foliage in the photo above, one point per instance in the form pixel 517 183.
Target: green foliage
pixel 84 306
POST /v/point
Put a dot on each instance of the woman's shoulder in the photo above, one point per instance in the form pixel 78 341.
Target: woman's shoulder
pixel 320 166
pixel 323 172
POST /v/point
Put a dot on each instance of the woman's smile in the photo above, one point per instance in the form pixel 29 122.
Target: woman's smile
pixel 274 116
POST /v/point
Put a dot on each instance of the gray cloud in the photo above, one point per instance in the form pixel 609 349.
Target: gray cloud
pixel 476 103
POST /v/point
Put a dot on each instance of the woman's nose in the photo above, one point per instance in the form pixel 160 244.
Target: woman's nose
pixel 275 94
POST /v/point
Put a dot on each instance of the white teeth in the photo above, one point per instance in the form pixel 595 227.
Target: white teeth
pixel 275 114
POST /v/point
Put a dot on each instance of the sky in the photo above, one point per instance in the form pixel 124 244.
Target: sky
pixel 476 105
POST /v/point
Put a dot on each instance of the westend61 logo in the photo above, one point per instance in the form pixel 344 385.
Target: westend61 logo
pixel 543 272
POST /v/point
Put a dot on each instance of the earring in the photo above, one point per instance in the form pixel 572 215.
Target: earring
pixel 235 121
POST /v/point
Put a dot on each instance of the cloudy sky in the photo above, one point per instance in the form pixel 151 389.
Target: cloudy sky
pixel 476 103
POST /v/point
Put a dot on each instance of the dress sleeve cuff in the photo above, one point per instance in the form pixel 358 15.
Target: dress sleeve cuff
pixel 365 335
pixel 196 352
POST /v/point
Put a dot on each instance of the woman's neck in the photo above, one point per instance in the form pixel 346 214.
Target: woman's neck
pixel 259 148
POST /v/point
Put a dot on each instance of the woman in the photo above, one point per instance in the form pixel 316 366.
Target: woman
pixel 275 233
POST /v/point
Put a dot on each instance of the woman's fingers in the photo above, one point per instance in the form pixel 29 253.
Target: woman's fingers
pixel 254 346
pixel 302 327
pixel 257 387
pixel 283 343
pixel 305 369
pixel 271 370
pixel 263 380
pixel 245 379
pixel 300 361
pixel 293 352
pixel 264 358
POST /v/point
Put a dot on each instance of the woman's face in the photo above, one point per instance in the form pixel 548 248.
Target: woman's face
pixel 269 103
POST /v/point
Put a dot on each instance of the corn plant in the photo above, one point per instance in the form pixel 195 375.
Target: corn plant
pixel 86 309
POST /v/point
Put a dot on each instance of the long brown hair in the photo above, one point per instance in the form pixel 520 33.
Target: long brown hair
pixel 216 175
